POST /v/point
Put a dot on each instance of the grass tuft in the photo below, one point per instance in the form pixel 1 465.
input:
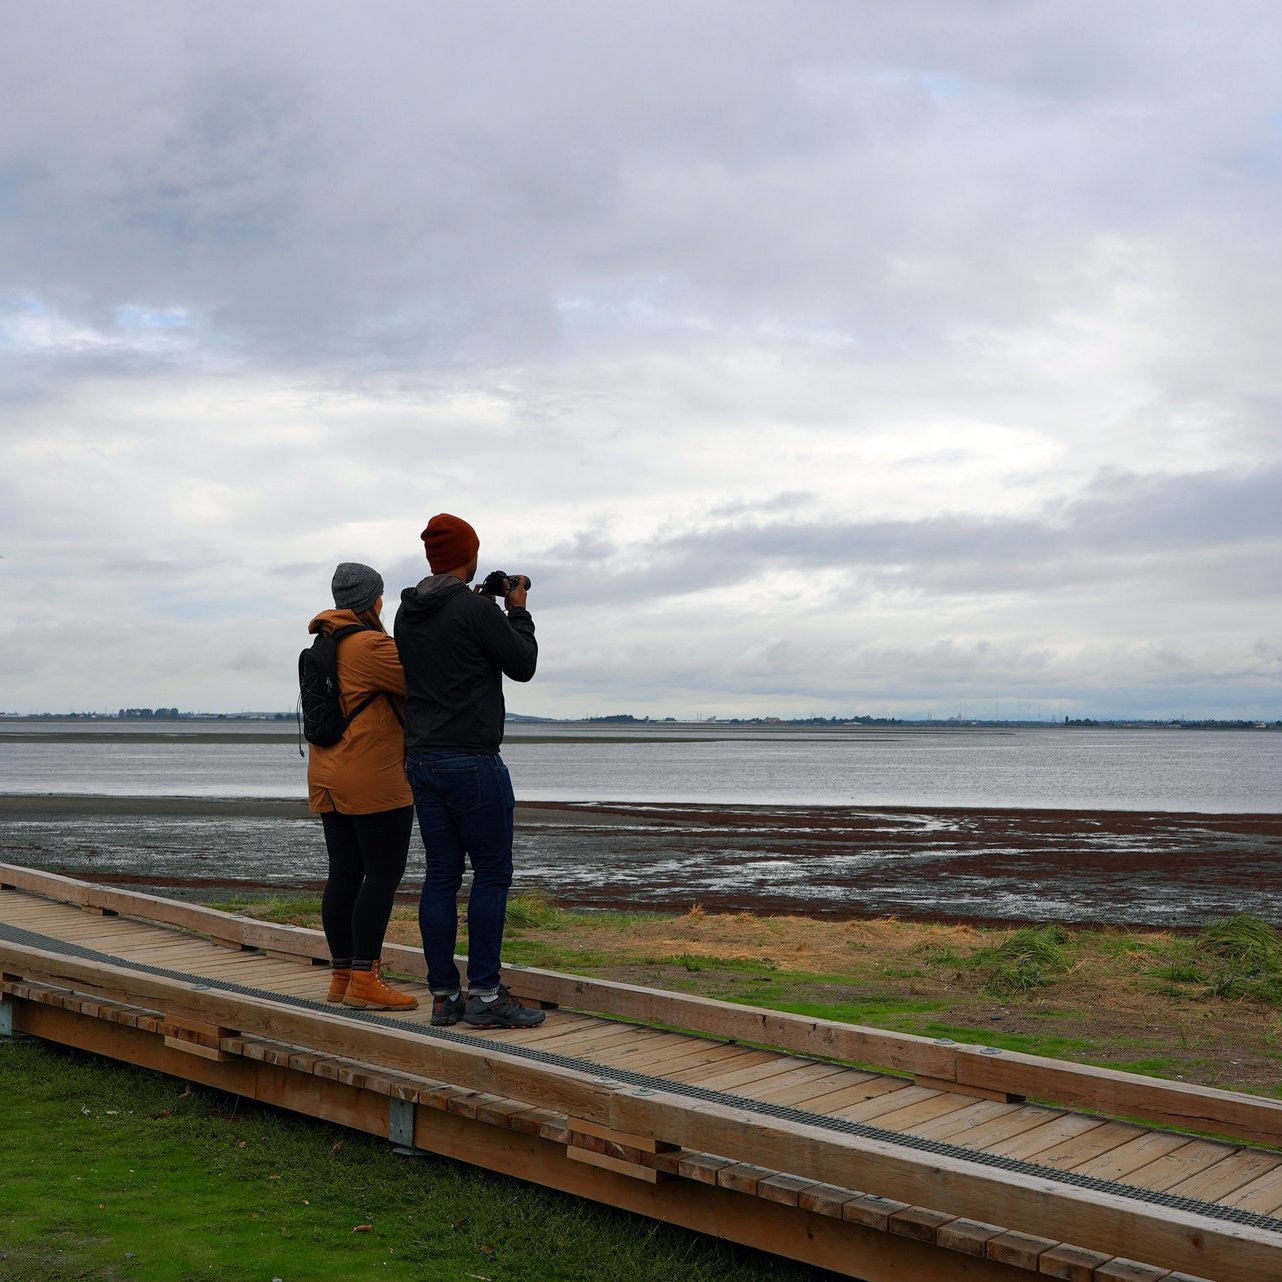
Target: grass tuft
pixel 1027 959
pixel 1241 956
pixel 533 912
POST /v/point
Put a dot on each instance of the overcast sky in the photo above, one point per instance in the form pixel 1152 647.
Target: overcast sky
pixel 902 358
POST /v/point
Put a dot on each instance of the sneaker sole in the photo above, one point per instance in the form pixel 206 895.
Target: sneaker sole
pixel 503 1023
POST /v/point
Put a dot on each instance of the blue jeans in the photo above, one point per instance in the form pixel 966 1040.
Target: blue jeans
pixel 465 805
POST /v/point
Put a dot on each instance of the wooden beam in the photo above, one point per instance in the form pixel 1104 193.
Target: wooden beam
pixel 1180 1104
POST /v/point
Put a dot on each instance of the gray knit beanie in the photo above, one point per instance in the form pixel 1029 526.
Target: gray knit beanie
pixel 356 587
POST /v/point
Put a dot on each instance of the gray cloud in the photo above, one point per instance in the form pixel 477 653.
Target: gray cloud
pixel 862 352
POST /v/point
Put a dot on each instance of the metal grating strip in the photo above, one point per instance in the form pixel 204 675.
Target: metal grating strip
pixel 647 1084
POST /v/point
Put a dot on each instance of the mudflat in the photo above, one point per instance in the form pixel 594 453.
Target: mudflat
pixel 982 865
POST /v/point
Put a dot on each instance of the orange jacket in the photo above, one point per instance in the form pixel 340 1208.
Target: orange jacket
pixel 364 771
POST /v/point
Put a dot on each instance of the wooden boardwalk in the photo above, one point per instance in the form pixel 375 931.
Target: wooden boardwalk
pixel 876 1155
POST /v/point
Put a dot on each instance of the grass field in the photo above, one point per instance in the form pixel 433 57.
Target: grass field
pixel 118 1175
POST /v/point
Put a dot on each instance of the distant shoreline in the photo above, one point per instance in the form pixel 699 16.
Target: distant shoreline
pixel 595 813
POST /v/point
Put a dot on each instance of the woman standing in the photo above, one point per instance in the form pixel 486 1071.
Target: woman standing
pixel 358 788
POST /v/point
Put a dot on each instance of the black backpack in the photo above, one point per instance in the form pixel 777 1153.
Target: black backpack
pixel 320 708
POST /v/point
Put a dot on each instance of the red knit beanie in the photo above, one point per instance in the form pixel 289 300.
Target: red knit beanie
pixel 449 542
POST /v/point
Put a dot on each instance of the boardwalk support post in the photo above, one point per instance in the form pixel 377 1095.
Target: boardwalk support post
pixel 400 1127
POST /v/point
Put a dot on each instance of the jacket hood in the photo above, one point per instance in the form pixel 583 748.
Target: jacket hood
pixel 429 594
pixel 332 620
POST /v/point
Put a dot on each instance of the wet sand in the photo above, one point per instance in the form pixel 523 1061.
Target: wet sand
pixel 979 865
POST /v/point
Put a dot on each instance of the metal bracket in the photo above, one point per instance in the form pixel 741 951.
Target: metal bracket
pixel 400 1126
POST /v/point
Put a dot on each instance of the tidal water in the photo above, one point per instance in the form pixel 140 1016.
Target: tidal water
pixel 1215 772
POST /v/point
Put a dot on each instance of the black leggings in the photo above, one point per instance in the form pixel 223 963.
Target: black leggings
pixel 367 856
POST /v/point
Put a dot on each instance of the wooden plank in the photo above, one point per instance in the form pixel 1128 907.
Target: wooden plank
pixel 195 1048
pixel 643 1143
pixel 1071 1263
pixel 727 1057
pixel 1023 1250
pixel 870 1110
pixel 976 1092
pixel 743 1177
pixel 1047 1130
pixel 784 1189
pixel 574 1039
pixel 919 1223
pixel 872 1211
pixel 802 1093
pixel 1263 1194
pixel 1122 1270
pixel 963 1120
pixel 702 1167
pixel 1090 1144
pixel 1231 1173
pixel 1120 1162
pixel 1179 1104
pixel 855 1091
pixel 940 1104
pixel 825 1199
pixel 787 1083
pixel 697 1056
pixel 968 1237
pixel 743 1075
pixel 604 1162
pixel 1183 1163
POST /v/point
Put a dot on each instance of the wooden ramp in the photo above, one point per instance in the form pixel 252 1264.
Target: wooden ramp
pixel 881 1156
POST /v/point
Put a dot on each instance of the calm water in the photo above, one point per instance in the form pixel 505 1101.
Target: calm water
pixel 1222 772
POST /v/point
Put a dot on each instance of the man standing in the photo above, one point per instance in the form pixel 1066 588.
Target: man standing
pixel 456 646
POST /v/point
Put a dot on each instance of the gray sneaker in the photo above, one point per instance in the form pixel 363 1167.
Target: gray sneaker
pixel 503 1012
pixel 447 1009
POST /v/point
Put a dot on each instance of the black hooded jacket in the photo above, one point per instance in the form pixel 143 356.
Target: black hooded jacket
pixel 456 647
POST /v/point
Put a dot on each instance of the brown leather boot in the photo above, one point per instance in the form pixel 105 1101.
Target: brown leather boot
pixel 338 981
pixel 368 989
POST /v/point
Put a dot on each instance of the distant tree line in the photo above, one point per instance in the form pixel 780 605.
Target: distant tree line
pixel 148 714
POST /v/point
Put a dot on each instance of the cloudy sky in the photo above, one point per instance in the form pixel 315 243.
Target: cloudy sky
pixel 901 358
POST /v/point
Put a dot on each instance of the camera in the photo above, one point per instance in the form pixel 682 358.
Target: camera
pixel 500 583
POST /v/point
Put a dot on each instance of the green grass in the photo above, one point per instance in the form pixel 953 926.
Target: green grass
pixel 1232 958
pixel 120 1175
pixel 283 910
pixel 1027 959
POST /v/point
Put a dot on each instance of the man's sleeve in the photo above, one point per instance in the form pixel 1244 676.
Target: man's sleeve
pixel 510 639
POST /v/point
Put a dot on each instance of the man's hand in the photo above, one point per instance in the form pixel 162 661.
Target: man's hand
pixel 516 597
